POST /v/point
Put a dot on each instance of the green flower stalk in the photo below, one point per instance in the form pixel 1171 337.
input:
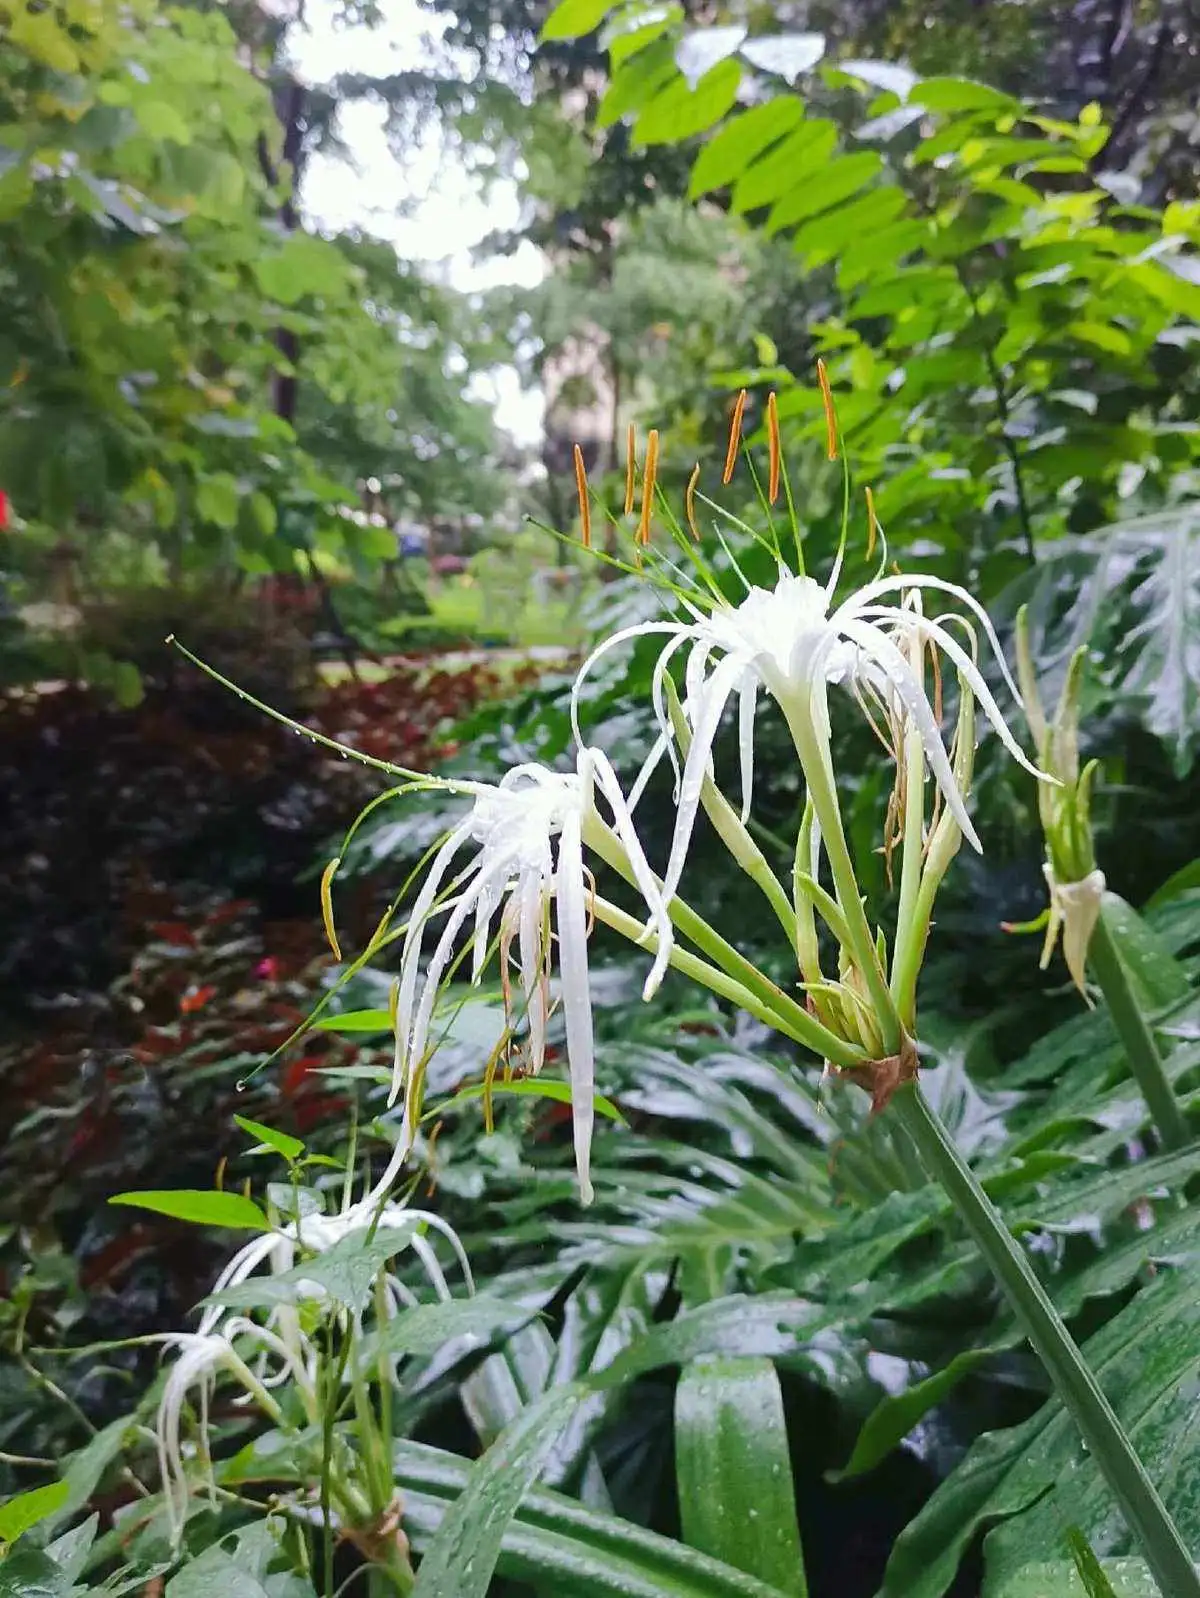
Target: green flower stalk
pixel 1078 889
pixel 795 641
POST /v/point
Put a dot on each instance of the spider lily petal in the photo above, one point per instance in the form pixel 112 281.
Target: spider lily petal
pixel 528 833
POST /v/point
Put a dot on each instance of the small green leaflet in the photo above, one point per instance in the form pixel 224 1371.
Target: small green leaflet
pixel 282 1143
pixel 200 1206
pixel 27 1509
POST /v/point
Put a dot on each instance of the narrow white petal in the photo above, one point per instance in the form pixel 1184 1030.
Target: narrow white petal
pixel 411 955
pixel 747 699
pixel 642 630
pixel 576 995
pixel 416 1039
pixel 983 694
pixel 878 647
pixel 709 711
pixel 648 887
pixel 894 585
pixel 531 895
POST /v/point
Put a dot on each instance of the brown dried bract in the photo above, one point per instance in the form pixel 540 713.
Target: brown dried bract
pixel 881 1078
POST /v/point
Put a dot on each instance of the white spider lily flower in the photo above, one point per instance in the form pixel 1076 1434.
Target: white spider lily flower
pixel 315 1233
pixel 201 1357
pixel 792 640
pixel 528 834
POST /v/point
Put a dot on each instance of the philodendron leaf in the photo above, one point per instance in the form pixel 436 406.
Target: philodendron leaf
pixel 737 1500
pixel 1030 1481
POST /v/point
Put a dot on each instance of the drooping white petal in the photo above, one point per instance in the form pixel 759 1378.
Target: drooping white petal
pixel 623 826
pixel 576 995
pixel 531 896
pixel 898 584
pixel 623 635
pixel 747 701
pixel 410 959
pixel 707 718
pixel 416 1039
pixel 909 690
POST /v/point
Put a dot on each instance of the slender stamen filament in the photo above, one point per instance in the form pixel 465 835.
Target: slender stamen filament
pixel 689 501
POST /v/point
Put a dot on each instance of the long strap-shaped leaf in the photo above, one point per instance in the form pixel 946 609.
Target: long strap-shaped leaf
pixel 737 1500
pixel 556 1546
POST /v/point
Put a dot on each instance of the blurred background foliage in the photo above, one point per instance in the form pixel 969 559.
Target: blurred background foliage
pixel 216 420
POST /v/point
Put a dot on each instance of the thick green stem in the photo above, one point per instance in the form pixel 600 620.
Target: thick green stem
pixel 1143 1509
pixel 1137 1039
pixel 823 793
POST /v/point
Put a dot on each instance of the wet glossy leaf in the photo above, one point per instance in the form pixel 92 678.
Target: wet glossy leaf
pixel 733 1470
pixel 557 1546
pixel 1035 1477
pixel 462 1556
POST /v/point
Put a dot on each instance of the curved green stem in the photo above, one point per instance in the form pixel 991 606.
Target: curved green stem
pixel 1137 1039
pixel 746 976
pixel 777 1010
pixel 823 794
pixel 1076 1385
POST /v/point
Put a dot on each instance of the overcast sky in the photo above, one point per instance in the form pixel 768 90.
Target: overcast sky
pixel 427 204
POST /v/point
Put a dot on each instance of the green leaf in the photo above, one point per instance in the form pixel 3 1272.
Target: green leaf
pixel 556 1545
pixel 1031 1479
pixel 636 82
pixel 266 519
pixel 462 1557
pixel 18 1514
pixel 679 112
pixel 346 1270
pixel 890 1422
pixel 162 121
pixel 1089 1567
pixel 963 94
pixel 1185 880
pixel 1123 1578
pixel 743 137
pixel 201 1206
pixel 218 499
pixel 215 1574
pixel 834 183
pixel 530 1087
pixel 304 266
pixel 1158 978
pixel 737 1500
pixel 290 1147
pixel 825 236
pixel 424 1328
pixel 355 1021
pixel 571 19
pixel 806 150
